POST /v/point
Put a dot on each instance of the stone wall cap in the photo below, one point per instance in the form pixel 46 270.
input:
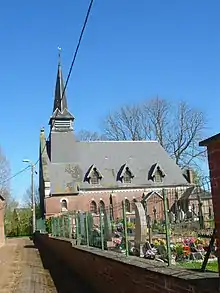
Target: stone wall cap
pixel 207 141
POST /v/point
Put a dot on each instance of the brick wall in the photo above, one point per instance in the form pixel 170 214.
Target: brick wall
pixel 213 149
pixel 112 272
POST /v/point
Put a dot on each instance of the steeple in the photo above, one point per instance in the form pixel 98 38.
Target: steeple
pixel 60 101
pixel 61 119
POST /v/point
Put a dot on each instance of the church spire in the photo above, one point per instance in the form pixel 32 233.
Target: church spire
pixel 61 119
pixel 60 101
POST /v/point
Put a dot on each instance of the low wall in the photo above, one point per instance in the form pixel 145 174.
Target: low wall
pixel 111 272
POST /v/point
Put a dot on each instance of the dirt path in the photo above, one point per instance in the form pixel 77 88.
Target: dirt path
pixel 23 269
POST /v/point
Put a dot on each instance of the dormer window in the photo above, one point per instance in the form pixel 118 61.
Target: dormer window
pixel 156 174
pixel 94 179
pixel 125 174
pixel 93 175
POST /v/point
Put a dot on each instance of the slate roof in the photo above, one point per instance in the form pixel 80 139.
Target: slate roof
pixel 194 192
pixel 71 161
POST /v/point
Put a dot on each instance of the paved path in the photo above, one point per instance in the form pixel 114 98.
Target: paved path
pixel 22 271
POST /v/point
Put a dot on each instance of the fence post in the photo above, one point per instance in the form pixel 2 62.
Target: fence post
pixel 70 221
pixel 63 226
pixel 52 226
pixel 87 228
pixel 101 227
pixel 125 229
pixel 201 218
pixel 167 226
pixel 77 228
pixel 56 224
pixel 59 228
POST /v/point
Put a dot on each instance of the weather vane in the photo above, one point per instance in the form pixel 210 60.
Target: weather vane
pixel 59 54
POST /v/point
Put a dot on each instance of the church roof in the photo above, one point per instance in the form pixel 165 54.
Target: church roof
pixel 71 161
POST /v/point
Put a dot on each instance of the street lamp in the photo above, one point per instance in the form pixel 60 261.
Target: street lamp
pixel 31 164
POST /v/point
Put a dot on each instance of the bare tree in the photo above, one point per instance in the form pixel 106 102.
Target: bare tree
pixel 85 135
pixel 5 172
pixel 27 198
pixel 177 127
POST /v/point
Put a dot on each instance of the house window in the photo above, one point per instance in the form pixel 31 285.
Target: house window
pixel 158 177
pixel 64 205
pixel 127 206
pixel 94 179
pixel 93 207
pixel 127 176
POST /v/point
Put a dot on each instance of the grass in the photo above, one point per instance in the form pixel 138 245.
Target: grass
pixel 195 265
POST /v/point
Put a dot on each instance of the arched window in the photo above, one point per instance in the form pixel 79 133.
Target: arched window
pixel 64 207
pixel 111 208
pixel 127 206
pixel 102 206
pixel 93 207
pixel 133 204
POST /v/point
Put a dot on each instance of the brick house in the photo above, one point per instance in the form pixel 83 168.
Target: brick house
pixel 77 175
pixel 2 214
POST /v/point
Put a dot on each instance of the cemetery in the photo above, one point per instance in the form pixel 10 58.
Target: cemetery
pixel 161 241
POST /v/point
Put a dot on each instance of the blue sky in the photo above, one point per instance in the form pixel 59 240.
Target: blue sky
pixel 132 50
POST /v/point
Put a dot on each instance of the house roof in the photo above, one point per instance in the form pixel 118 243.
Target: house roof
pixel 209 140
pixel 71 160
pixel 196 192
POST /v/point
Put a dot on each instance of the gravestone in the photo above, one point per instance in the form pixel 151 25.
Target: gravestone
pixel 180 215
pixel 140 228
pixel 171 217
pixel 107 226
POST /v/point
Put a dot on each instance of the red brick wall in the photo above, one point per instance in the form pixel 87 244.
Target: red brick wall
pixel 111 272
pixel 214 167
pixel 82 201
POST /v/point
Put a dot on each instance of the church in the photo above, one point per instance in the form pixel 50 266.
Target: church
pixel 84 176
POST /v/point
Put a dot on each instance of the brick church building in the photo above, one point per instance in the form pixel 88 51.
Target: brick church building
pixel 77 175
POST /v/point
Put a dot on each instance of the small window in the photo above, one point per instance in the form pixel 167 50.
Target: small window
pixel 64 205
pixel 94 179
pixel 93 207
pixel 127 206
pixel 127 176
pixel 158 176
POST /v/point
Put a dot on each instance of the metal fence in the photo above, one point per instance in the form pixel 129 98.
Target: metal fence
pixel 41 225
pixel 169 218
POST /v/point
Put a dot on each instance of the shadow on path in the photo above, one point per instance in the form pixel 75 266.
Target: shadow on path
pixel 64 279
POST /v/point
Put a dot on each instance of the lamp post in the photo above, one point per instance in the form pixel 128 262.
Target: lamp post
pixel 31 164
